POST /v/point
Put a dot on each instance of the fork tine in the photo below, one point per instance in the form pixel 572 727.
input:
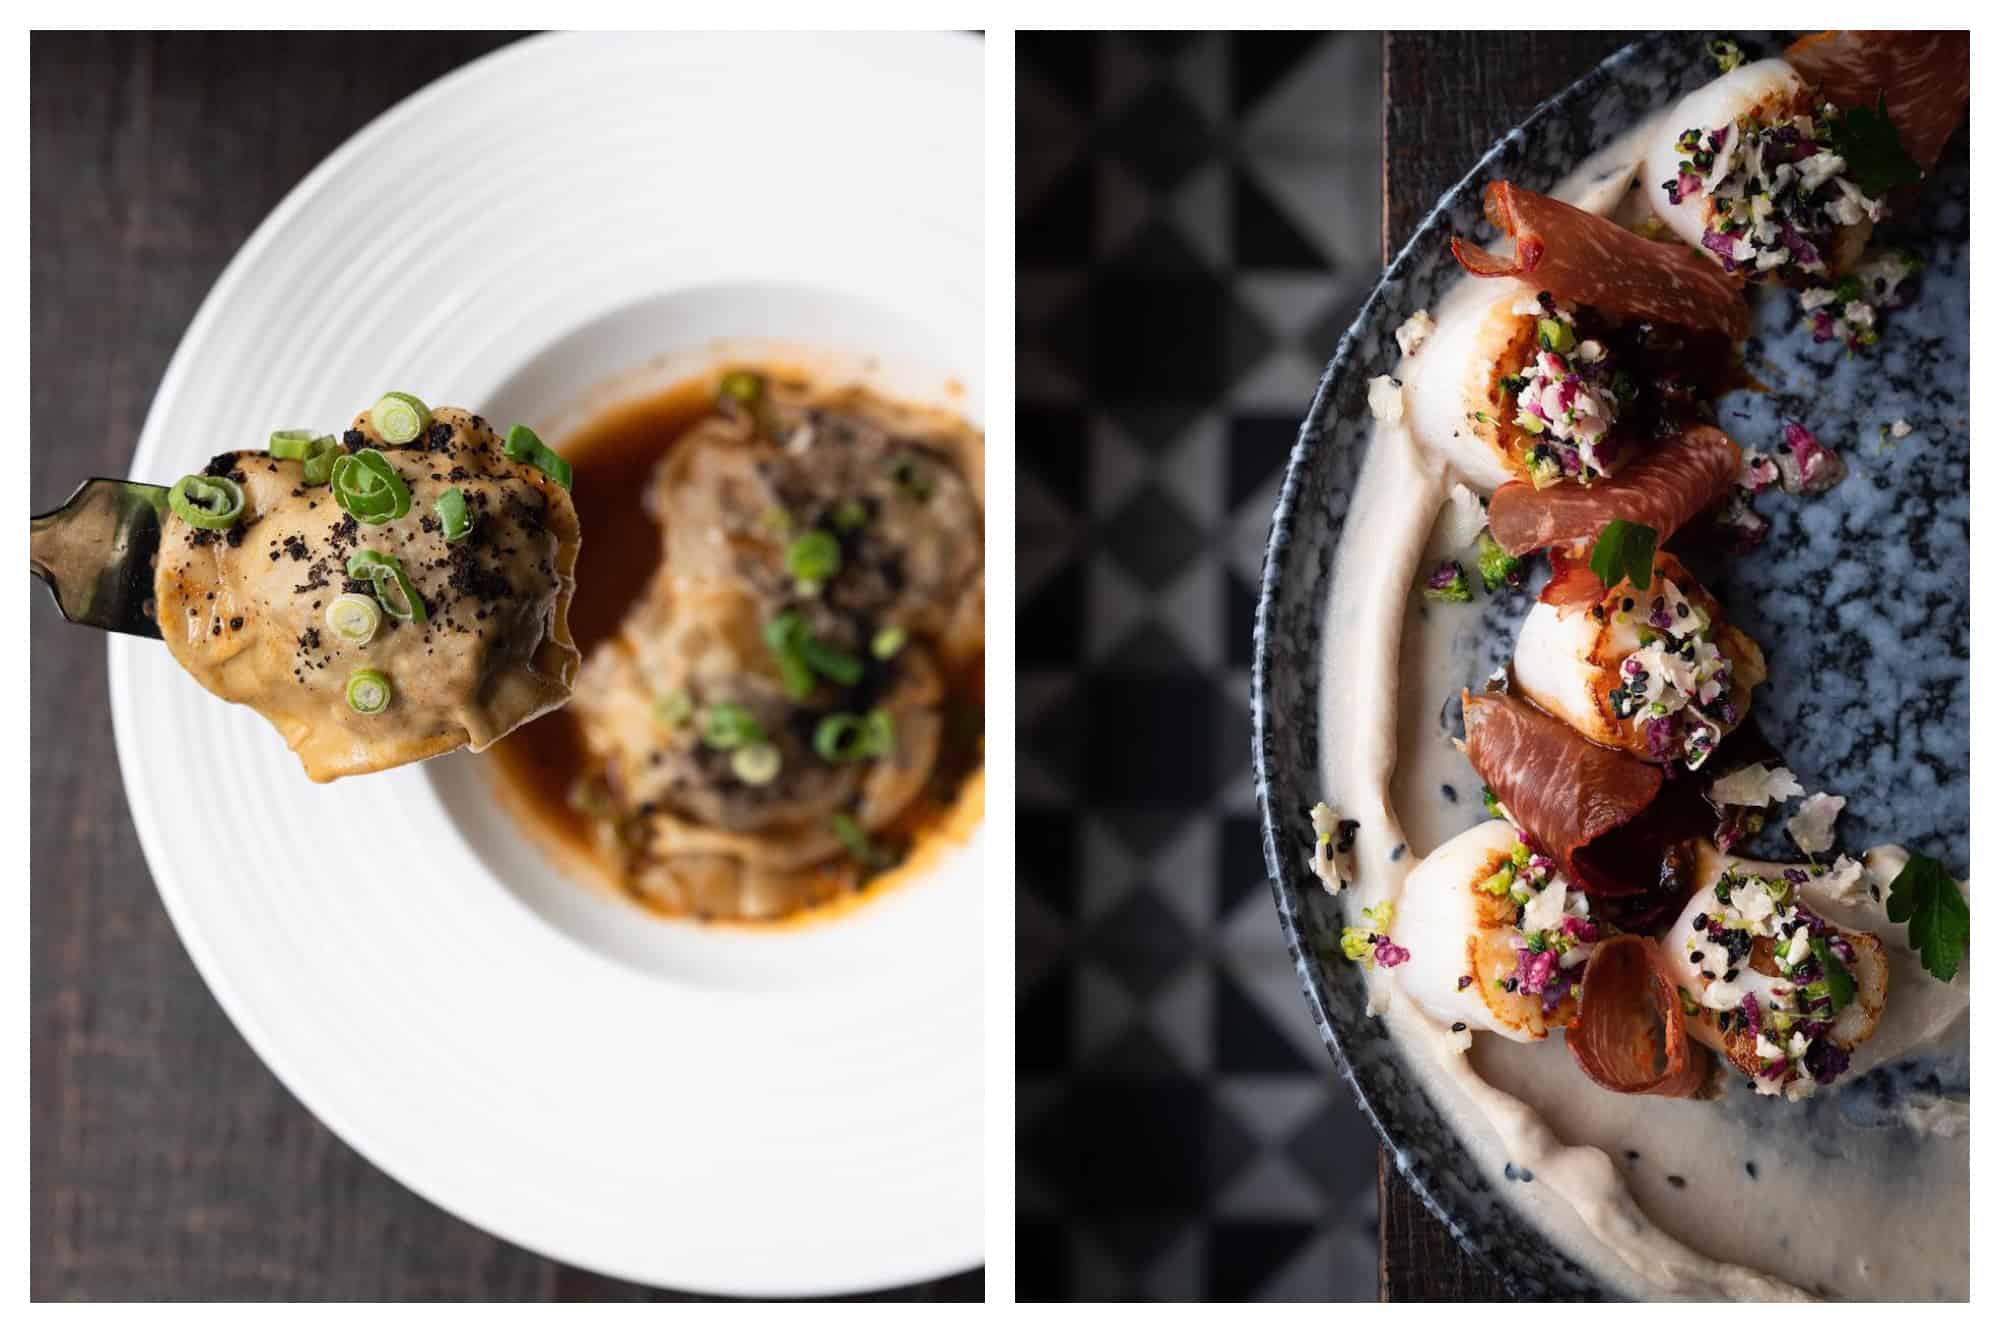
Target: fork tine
pixel 96 554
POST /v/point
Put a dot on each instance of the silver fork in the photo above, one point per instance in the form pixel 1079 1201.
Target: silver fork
pixel 96 553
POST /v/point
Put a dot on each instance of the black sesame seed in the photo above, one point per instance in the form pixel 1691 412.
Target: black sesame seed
pixel 1678 1182
pixel 1458 1027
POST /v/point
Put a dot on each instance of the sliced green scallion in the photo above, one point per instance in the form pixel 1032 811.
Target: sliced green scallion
pixel 290 444
pixel 756 763
pixel 837 739
pixel 782 636
pixel 400 418
pixel 850 516
pixel 524 446
pixel 353 618
pixel 368 692
pixel 812 558
pixel 801 656
pixel 729 726
pixel 367 485
pixel 794 674
pixel 453 514
pixel 213 503
pixel 843 738
pixel 857 842
pixel 888 641
pixel 316 463
pixel 878 733
pixel 393 588
pixel 836 665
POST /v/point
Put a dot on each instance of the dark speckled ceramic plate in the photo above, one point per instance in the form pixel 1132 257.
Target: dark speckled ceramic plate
pixel 1859 597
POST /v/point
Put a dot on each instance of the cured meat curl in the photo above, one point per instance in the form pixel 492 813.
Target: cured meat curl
pixel 1924 77
pixel 1563 791
pixel 1629 1035
pixel 1585 259
pixel 1572 582
pixel 1677 479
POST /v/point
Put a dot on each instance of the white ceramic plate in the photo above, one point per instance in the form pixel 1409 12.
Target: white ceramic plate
pixel 726 1111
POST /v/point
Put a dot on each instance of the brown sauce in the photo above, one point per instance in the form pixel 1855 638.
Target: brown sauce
pixel 536 767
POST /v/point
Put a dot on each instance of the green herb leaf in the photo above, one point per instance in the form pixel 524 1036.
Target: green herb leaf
pixel 1624 551
pixel 1839 981
pixel 1928 898
pixel 1875 155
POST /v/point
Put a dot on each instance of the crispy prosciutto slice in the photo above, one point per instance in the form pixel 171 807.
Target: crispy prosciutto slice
pixel 1678 478
pixel 1572 582
pixel 1563 791
pixel 1925 79
pixel 1649 868
pixel 1623 830
pixel 1629 1035
pixel 1583 258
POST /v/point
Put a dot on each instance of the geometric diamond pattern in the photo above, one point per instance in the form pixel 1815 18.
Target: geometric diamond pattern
pixel 1197 223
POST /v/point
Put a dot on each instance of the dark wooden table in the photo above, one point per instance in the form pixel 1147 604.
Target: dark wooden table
pixel 1446 97
pixel 166 1161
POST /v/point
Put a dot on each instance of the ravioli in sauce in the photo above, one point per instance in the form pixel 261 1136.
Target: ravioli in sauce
pixel 441 623
pixel 783 612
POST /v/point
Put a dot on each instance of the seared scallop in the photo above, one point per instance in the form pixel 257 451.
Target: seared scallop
pixel 1781 992
pixel 1714 131
pixel 1657 672
pixel 1496 937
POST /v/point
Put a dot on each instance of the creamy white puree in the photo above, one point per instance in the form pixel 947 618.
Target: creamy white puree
pixel 1837 1208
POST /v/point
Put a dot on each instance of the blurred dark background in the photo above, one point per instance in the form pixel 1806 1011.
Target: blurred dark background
pixel 165 1161
pixel 1199 218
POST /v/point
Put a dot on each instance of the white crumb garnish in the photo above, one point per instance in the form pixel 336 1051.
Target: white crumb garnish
pixel 1757 785
pixel 1333 848
pixel 1412 332
pixel 1899 428
pixel 1385 399
pixel 1841 881
pixel 1812 827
